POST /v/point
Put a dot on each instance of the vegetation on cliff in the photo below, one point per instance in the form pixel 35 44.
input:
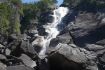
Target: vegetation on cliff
pixel 32 12
pixel 89 5
pixel 10 16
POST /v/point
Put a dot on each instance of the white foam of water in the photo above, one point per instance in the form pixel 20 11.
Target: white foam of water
pixel 51 29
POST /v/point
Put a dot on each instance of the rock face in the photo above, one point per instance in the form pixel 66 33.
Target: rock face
pixel 59 62
pixel 27 47
pixel 27 61
pixel 19 67
pixel 2 66
pixel 88 32
pixel 65 38
pixel 88 29
pixel 2 57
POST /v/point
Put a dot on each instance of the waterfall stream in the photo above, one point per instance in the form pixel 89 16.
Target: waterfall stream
pixel 51 29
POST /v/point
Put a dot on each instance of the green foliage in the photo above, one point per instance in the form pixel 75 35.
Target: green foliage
pixel 44 4
pixel 18 4
pixel 85 4
pixel 9 17
pixel 30 12
pixel 10 14
pixel 4 15
pixel 4 26
pixel 71 3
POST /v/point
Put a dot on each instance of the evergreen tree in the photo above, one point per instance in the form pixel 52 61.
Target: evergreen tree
pixel 32 11
pixel 10 16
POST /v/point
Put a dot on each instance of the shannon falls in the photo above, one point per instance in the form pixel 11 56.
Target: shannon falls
pixel 51 29
pixel 45 36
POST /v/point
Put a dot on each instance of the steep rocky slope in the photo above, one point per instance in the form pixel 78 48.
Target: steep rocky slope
pixel 79 46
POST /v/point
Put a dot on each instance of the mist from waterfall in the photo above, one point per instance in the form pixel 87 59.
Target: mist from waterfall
pixel 51 29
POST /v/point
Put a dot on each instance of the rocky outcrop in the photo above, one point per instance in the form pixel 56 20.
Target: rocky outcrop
pixel 88 32
pixel 16 54
pixel 73 53
pixel 19 67
pixel 88 29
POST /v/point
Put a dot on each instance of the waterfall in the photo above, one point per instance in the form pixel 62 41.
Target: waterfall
pixel 51 29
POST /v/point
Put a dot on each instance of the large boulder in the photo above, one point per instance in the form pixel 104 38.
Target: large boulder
pixel 54 42
pixel 94 47
pixel 101 62
pixel 19 67
pixel 65 38
pixel 73 53
pixel 2 57
pixel 27 47
pixel 2 48
pixel 27 60
pixel 59 62
pixel 3 39
pixel 76 54
pixel 2 66
pixel 41 31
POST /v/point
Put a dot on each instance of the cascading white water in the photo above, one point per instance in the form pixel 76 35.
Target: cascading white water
pixel 51 29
